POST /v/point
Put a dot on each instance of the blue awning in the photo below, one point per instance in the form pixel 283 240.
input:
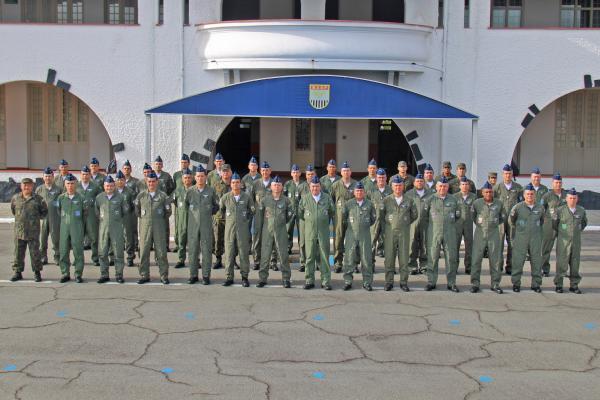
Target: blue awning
pixel 313 96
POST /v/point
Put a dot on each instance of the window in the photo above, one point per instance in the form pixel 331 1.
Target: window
pixel 38 11
pixel 35 113
pixel 236 10
pixel 69 11
pixel 303 134
pixel 440 13
pixel 580 13
pixel 388 10
pixel 161 12
pixel 577 122
pixel 82 122
pixel 186 12
pixel 54 112
pixel 467 14
pixel 506 13
pixel 2 115
pixel 121 12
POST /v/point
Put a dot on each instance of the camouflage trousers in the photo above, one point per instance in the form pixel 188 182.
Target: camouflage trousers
pixel 34 254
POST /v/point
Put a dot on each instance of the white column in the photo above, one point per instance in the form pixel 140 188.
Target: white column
pixel 312 9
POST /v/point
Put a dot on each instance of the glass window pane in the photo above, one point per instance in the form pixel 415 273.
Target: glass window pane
pixel 35 113
pixel 499 18
pixel 586 17
pixel 82 122
pixel 77 12
pixel 567 18
pixel 514 18
pixel 596 19
pixel 67 117
pixel 62 16
pixel 303 134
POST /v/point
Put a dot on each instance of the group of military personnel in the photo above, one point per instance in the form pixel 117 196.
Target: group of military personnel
pixel 407 220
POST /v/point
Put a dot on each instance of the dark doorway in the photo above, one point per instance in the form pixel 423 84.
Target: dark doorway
pixel 238 142
pixel 388 10
pixel 389 145
pixel 238 10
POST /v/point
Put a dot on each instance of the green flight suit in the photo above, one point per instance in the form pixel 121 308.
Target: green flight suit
pixel 464 228
pixel 454 186
pixel 327 182
pixel 72 228
pixel 358 219
pixel 177 178
pixel 221 188
pixel 213 178
pixel 273 216
pixel 409 181
pixel 568 226
pixel 291 190
pixel 133 185
pixel 439 177
pixel 488 218
pixel 141 186
pixel 418 230
pixel 376 196
pixel 178 181
pixel 316 217
pixel 99 179
pixel 440 215
pixel 526 225
pixel 91 220
pixel 304 190
pixel 238 217
pixel 248 181
pixel 169 188
pixel 540 193
pixel 60 181
pixel 369 184
pixel 509 198
pixel 153 214
pixel 111 215
pixel 28 212
pixel 397 219
pixel 550 201
pixel 340 194
pixel 50 224
pixel 129 222
pixel 258 192
pixel 201 206
pixel 181 218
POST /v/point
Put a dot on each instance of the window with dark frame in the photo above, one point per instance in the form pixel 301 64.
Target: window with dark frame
pixel 186 12
pixel 580 13
pixel 161 12
pixel 506 13
pixel 303 134
pixel 467 14
pixel 440 13
pixel 120 12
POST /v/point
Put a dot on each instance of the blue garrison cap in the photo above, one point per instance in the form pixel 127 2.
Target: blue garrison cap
pixel 70 177
pixel 346 164
pixel 419 176
pixel 185 157
pixel 315 179
pixel 85 168
pixel 235 176
pixel 359 185
pixel 536 170
pixel 529 187
pixel 557 177
pixel 443 179
pixel 464 179
pixel 63 162
pixel 147 166
pixel 295 167
pixel 218 157
pixel 487 185
pixel 94 161
pixel 331 162
pixel 126 163
pixel 397 179
pixel 186 171
pixel 253 160
pixel 277 179
pixel 428 167
pixel 158 159
pixel 265 164
pixel 310 168
pixel 48 171
pixel 373 162
pixel 200 168
pixel 507 167
pixel 381 171
pixel 120 175
pixel 152 175
pixel 572 192
pixel 109 179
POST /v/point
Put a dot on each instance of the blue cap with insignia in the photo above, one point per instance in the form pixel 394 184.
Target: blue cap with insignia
pixel 315 180
pixel 373 162
pixel 310 168
pixel 200 168
pixel 253 160
pixel 464 179
pixel 126 163
pixel 186 171
pixel 70 177
pixel 158 159
pixel 331 162
pixel 218 157
pixel 63 162
pixel 345 165
pixel 85 168
pixel 147 167
pixel 277 179
pixel 48 171
pixel 94 161
pixel 557 177
pixel 359 185
pixel 381 171
pixel 419 176
pixel 109 179
pixel 397 180
pixel 536 171
pixel 487 185
pixel 120 175
pixel 507 167
pixel 185 157
pixel 443 179
pixel 265 164
pixel 572 192
pixel 428 167
pixel 152 175
pixel 235 176
pixel 529 187
pixel 295 167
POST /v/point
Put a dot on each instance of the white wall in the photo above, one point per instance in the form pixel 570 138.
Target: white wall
pixel 353 143
pixel 275 142
pixel 421 12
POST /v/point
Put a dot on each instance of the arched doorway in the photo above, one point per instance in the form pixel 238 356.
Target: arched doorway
pixel 238 142
pixel 563 137
pixel 388 145
pixel 41 124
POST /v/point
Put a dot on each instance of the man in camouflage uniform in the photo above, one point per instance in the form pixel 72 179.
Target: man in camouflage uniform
pixel 88 191
pixel 63 171
pixel 111 209
pixel 181 216
pixel 446 172
pixel 153 208
pixel 202 203
pixel 418 230
pixel 96 176
pixel 551 201
pixel 304 190
pixel 238 208
pixel 252 176
pixel 406 177
pixel 461 172
pixel 526 219
pixel 273 213
pixel 51 224
pixel 316 210
pixel 341 191
pixel 569 221
pixel 28 209
pixel 370 181
pixel 260 189
pixel 440 214
pixel 214 176
pixel 397 213
pixel 509 193
pixel 379 192
pixel 536 181
pixel 464 225
pixel 73 209
pixel 291 190
pixel 488 214
pixel 221 188
pixel 130 218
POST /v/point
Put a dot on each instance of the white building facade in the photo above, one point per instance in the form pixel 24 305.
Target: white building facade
pixel 76 77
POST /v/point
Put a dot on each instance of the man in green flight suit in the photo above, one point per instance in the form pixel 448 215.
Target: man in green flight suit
pixel 509 193
pixel 260 189
pixel 340 192
pixel 221 188
pixel 428 177
pixel 168 188
pixel 418 230
pixel 252 176
pixel 330 177
pixel 316 210
pixel 376 195
pixel 440 214
pixel 397 213
pixel 51 224
pixel 129 219
pixel 73 210
pixel 407 178
pixel 184 164
pixel 446 172
pixel 536 181
pixel 569 221
pixel 181 216
pixel 202 203
pixel 359 215
pixel 461 172
pixel 274 212
pixel 214 176
pixel 28 208
pixel 63 171
pixel 464 225
pixel 111 209
pixel 304 190
pixel 370 181
pixel 153 208
pixel 526 219
pixel 238 208
pixel 88 191
pixel 96 176
pixel 291 190
pixel 551 201
pixel 488 214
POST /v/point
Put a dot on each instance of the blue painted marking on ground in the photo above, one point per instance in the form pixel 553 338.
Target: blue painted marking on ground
pixel 319 375
pixel 318 317
pixel 454 322
pixel 61 313
pixel 591 325
pixel 486 379
pixel 190 315
pixel 167 370
pixel 9 367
